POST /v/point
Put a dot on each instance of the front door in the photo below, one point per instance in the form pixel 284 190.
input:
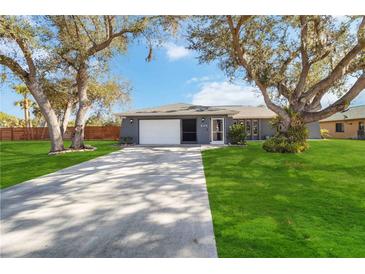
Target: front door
pixel 189 131
pixel 217 126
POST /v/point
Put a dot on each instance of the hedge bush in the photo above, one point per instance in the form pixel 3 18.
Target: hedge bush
pixel 237 134
pixel 325 133
pixel 283 144
pixel 126 140
pixel 293 140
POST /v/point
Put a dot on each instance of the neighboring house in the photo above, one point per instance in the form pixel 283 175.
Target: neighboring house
pixel 193 124
pixel 348 124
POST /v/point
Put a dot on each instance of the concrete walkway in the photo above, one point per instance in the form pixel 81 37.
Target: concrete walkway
pixel 137 202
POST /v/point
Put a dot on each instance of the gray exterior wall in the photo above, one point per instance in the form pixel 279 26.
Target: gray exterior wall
pixel 266 130
pixel 314 130
pixel 228 121
pixel 203 130
pixel 129 129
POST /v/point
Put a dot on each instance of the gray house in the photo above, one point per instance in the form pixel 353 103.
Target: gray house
pixel 193 124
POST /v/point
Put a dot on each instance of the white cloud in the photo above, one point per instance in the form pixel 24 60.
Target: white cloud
pixel 225 93
pixel 198 79
pixel 175 52
pixel 328 99
pixel 359 100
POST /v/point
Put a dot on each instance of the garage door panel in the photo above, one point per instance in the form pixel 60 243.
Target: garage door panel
pixel 159 132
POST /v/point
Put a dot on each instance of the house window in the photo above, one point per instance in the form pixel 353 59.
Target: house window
pixel 255 127
pixel 361 126
pixel 340 127
pixel 248 127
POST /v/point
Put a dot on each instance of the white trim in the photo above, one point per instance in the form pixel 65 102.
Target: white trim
pixel 211 132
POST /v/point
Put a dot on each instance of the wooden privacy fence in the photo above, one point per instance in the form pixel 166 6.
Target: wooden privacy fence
pixel 41 133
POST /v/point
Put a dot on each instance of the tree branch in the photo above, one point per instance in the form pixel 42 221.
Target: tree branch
pixel 361 31
pixel 76 27
pixel 86 31
pixel 26 52
pixel 14 67
pixel 98 47
pixel 242 20
pixel 238 53
pixel 292 56
pixel 339 71
pixel 339 105
pixel 304 54
pixel 283 90
pixel 27 55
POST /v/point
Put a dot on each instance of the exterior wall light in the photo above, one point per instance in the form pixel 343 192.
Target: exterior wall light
pixel 203 120
pixel 131 121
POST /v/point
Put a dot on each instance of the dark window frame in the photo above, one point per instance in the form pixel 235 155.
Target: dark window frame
pixel 248 127
pixel 190 133
pixel 340 127
pixel 255 127
pixel 361 126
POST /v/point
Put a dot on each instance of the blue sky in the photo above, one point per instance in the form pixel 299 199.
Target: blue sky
pixel 174 75
pixel 168 78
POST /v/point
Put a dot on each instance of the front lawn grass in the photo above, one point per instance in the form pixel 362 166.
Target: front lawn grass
pixel 25 160
pixel 288 205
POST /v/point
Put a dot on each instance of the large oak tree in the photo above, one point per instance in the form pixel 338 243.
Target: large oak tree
pixel 293 60
pixel 26 60
pixel 87 39
pixel 102 95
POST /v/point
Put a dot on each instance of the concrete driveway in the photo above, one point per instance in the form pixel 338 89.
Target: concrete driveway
pixel 137 202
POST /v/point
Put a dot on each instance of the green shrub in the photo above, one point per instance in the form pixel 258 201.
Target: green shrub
pixel 126 140
pixel 237 134
pixel 283 144
pixel 325 133
pixel 291 140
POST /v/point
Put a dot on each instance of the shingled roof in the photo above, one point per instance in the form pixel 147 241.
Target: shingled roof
pixel 182 109
pixel 357 112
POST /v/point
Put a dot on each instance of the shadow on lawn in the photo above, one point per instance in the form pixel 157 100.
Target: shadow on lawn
pixel 275 205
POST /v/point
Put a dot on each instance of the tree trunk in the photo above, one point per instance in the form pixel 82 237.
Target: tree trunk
pixel 66 118
pixel 291 136
pixel 31 81
pixel 49 115
pixel 29 120
pixel 84 105
pixel 25 108
pixel 30 127
pixel 26 124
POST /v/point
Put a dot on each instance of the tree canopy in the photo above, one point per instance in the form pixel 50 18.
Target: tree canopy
pixel 293 60
pixel 84 40
pixel 26 52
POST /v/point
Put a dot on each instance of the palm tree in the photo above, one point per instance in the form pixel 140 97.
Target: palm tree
pixel 25 103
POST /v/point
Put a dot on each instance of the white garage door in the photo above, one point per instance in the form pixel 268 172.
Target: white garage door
pixel 159 132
